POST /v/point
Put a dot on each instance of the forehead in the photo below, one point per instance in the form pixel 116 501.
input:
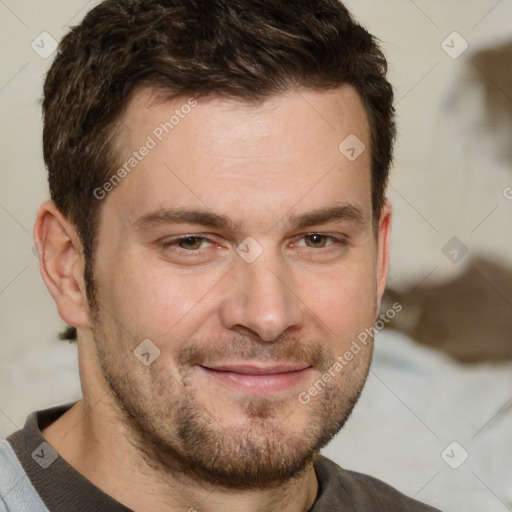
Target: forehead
pixel 333 110
pixel 224 153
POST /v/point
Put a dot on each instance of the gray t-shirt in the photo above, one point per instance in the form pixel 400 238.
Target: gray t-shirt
pixel 33 478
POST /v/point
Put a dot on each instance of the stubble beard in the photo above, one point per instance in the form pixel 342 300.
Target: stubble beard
pixel 177 435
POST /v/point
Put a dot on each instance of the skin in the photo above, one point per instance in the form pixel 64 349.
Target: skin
pixel 303 300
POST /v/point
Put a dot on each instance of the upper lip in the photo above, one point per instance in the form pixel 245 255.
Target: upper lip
pixel 249 369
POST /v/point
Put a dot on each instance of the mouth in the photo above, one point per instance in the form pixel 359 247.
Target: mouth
pixel 256 378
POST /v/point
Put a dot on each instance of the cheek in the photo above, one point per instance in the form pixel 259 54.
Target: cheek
pixel 346 300
pixel 149 300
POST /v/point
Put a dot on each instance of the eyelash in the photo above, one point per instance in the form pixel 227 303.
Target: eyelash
pixel 174 242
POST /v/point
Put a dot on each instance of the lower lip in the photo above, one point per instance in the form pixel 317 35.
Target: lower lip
pixel 259 383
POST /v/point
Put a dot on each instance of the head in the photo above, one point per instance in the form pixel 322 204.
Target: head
pixel 223 120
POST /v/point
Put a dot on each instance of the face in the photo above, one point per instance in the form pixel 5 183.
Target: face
pixel 240 246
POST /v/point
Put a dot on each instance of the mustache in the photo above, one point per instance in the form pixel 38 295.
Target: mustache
pixel 312 353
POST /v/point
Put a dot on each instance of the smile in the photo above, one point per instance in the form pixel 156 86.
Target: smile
pixel 258 379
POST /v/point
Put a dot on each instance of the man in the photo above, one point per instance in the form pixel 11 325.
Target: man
pixel 217 238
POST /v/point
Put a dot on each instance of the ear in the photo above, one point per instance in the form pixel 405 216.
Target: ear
pixel 61 264
pixel 383 239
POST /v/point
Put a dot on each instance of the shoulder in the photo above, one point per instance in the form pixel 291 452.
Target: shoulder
pixel 362 492
pixel 16 491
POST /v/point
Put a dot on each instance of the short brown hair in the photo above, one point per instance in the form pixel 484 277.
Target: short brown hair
pixel 246 49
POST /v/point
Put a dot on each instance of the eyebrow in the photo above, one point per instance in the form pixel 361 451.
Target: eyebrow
pixel 164 216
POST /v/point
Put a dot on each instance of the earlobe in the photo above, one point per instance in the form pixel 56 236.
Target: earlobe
pixel 383 248
pixel 61 264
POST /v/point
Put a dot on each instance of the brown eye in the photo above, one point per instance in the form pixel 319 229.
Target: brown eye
pixel 316 241
pixel 190 242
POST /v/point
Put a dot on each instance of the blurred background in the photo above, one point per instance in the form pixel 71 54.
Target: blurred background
pixel 435 419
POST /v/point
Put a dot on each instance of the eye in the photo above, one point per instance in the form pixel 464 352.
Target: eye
pixel 188 243
pixel 319 241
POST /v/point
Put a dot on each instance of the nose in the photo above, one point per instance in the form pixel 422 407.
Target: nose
pixel 263 299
